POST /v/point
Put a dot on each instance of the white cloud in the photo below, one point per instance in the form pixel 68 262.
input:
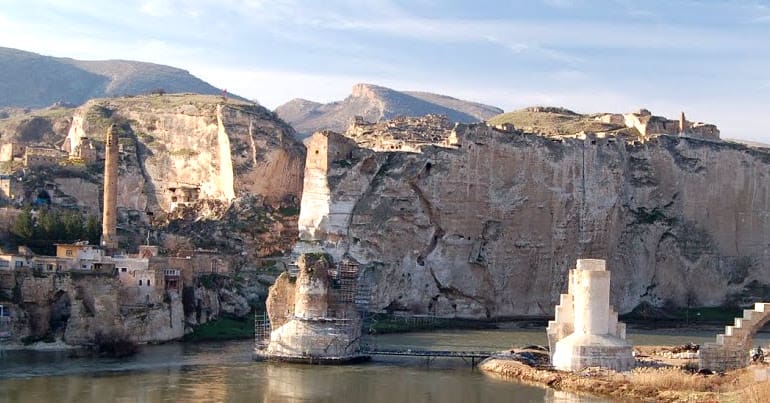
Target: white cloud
pixel 156 8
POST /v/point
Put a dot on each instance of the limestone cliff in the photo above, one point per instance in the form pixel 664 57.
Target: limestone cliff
pixel 75 308
pixel 487 223
pixel 224 150
pixel 187 163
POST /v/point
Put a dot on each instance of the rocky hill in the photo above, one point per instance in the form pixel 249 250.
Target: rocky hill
pixel 34 81
pixel 560 122
pixel 232 171
pixel 485 222
pixel 375 103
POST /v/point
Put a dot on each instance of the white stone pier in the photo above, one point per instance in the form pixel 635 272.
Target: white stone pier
pixel 586 332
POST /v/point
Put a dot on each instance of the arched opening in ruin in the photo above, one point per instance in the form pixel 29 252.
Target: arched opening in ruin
pixel 746 328
pixel 43 198
pixel 731 349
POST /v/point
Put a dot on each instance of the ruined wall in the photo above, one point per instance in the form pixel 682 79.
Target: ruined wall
pixel 490 228
pixel 280 300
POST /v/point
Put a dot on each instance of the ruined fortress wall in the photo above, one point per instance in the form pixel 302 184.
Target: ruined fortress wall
pixel 325 152
pixel 490 229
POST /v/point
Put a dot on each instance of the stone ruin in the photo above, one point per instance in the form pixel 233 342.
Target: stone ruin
pixel 400 133
pixel 649 125
pixel 586 332
pixel 731 349
pixel 313 318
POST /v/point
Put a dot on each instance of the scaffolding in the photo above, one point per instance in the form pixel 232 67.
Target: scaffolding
pixel 262 330
pixel 337 335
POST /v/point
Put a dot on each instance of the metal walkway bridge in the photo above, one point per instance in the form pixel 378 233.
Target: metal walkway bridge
pixel 474 356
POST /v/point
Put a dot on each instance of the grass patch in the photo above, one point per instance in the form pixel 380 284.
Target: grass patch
pixel 288 211
pixel 384 324
pixel 223 329
pixel 186 153
pixel 554 123
pixel 712 315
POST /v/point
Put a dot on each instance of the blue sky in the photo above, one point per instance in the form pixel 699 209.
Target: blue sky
pixel 708 58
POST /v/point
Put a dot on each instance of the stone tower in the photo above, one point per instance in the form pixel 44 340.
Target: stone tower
pixel 682 123
pixel 109 216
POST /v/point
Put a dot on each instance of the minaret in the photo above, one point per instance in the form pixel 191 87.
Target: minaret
pixel 109 216
pixel 682 124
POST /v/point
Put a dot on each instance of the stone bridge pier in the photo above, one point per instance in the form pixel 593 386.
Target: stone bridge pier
pixel 586 332
pixel 731 349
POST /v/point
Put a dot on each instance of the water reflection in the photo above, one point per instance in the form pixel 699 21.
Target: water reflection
pixel 390 383
pixel 215 372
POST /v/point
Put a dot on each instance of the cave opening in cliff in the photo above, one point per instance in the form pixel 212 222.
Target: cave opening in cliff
pixel 60 312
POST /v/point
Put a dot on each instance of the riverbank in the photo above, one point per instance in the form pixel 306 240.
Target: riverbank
pixel 657 377
pixel 57 345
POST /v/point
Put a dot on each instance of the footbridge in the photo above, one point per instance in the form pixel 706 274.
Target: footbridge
pixel 473 356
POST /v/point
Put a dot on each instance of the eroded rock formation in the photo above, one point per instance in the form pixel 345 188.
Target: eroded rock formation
pixel 312 319
pixel 487 222
pixel 76 308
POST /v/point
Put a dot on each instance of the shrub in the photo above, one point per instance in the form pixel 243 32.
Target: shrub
pixel 114 344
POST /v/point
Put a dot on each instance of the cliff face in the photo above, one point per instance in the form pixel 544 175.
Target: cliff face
pixel 222 150
pixel 76 308
pixel 488 224
pixel 198 164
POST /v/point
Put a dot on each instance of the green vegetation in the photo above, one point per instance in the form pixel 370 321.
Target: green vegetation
pixel 223 329
pixel 288 211
pixel 186 153
pixel 645 312
pixel 52 226
pixel 382 324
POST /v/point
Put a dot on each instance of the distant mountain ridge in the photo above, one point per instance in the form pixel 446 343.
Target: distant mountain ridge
pixel 33 81
pixel 375 103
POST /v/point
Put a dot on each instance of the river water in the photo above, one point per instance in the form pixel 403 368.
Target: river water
pixel 225 372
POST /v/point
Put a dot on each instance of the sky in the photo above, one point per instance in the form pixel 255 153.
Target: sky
pixel 708 58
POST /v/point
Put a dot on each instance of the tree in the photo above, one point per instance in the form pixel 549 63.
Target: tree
pixel 93 230
pixel 74 226
pixel 24 227
pixel 49 226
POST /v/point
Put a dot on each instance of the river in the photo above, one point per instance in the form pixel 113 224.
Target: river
pixel 178 372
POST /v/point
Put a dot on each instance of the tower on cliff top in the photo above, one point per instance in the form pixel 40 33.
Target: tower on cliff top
pixel 682 123
pixel 109 216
